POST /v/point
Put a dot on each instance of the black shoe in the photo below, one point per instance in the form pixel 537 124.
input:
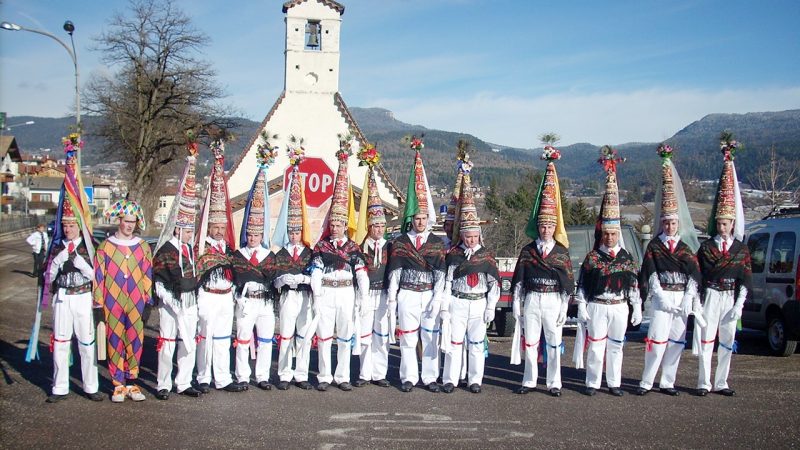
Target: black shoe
pixel 244 385
pixel 162 394
pixel 381 383
pixel 407 386
pixel 475 388
pixel 322 387
pixel 448 388
pixel 346 386
pixel 234 387
pixel 190 392
pixel 283 385
pixel 433 387
pixel 555 392
pixel 726 392
pixel 524 390
pixel 701 392
pixel 670 391
pixel 305 385
pixel 265 385
pixel 643 391
pixel 96 397
pixel 205 388
pixel 53 398
pixel 616 392
pixel 589 391
pixel 360 382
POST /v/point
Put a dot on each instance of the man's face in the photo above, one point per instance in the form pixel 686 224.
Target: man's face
pixel 420 222
pixel 71 230
pixel 295 236
pixel 254 239
pixel 546 231
pixel 471 238
pixel 40 228
pixel 377 230
pixel 724 227
pixel 610 238
pixel 186 235
pixel 337 229
pixel 217 231
pixel 670 226
pixel 127 225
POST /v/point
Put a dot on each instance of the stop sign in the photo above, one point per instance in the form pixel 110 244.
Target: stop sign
pixel 318 179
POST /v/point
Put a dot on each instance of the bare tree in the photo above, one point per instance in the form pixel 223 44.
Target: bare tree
pixel 159 91
pixel 780 179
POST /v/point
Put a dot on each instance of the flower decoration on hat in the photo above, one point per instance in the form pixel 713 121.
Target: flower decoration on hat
pixel 549 152
pixel 266 152
pixel 345 147
pixel 368 155
pixel 728 145
pixel 665 152
pixel 609 158
pixel 296 151
pixel 416 143
pixel 191 144
pixel 72 144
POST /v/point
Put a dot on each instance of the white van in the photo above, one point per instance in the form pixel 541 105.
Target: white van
pixel 774 304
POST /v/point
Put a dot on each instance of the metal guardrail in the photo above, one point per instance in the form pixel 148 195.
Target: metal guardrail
pixel 13 223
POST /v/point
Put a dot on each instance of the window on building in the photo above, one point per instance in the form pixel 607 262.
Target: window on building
pixel 757 244
pixel 162 203
pixel 313 35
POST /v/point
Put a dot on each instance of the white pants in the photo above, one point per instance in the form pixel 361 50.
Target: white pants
pixel 254 313
pixel 540 311
pixel 414 324
pixel 169 331
pixel 295 317
pixel 335 316
pixel 374 329
pixel 215 312
pixel 717 312
pixel 466 328
pixel 73 314
pixel 666 341
pixel 607 326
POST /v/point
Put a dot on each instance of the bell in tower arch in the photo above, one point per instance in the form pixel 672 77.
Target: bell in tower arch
pixel 313 32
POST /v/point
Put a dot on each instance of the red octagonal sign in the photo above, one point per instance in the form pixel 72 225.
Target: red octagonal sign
pixel 318 178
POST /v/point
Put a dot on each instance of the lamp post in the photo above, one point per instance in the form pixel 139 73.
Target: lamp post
pixel 69 27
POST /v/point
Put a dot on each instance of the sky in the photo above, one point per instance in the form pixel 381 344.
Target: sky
pixel 506 71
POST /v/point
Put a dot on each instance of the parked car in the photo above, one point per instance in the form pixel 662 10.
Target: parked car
pixel 774 304
pixel 581 240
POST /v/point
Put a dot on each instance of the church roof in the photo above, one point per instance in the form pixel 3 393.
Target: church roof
pixel 329 3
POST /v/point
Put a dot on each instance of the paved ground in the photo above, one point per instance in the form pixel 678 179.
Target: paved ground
pixel 764 413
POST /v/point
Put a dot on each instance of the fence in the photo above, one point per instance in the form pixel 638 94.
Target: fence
pixel 16 223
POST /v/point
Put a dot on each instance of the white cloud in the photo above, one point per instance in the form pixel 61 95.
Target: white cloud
pixel 602 118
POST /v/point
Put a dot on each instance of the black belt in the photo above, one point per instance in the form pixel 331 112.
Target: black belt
pixel 673 287
pixel 611 301
pixel 416 287
pixel 77 290
pixel 465 296
pixel 724 286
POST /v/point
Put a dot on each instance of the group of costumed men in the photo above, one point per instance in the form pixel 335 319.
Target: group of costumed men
pixel 357 289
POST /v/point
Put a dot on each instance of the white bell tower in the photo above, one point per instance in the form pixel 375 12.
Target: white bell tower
pixel 312 47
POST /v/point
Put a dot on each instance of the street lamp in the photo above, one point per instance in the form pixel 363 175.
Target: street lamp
pixel 30 122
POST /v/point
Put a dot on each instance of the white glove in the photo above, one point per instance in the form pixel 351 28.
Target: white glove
pixel 686 305
pixel 562 314
pixel 280 282
pixel 697 308
pixel 316 303
pixel 83 266
pixel 445 314
pixel 636 315
pixel 516 309
pixel 488 315
pixel 433 307
pixel 736 312
pixel 61 258
pixel 362 307
pixel 391 305
pixel 583 314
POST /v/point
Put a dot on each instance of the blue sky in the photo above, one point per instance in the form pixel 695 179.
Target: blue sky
pixel 506 71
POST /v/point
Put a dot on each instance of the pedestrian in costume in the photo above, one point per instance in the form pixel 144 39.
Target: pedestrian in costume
pixel 175 277
pixel 255 293
pixel 374 320
pixel 472 290
pixel 39 245
pixel 291 280
pixel 123 266
pixel 215 249
pixel 727 276
pixel 606 285
pixel 542 284
pixel 70 276
pixel 670 278
pixel 416 281
pixel 338 268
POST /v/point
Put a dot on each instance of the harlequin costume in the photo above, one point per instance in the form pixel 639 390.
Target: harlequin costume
pixel 69 278
pixel 669 278
pixel 727 278
pixel 542 284
pixel 338 268
pixel 606 285
pixel 175 290
pixel 472 290
pixel 123 284
pixel 255 293
pixel 416 283
pixel 215 283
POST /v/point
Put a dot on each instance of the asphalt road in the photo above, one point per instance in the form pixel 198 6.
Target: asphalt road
pixel 763 414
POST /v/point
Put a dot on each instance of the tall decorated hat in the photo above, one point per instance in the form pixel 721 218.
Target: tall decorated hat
pixel 370 157
pixel 340 205
pixel 547 204
pixel 217 205
pixel 669 202
pixel 728 202
pixel 610 217
pixel 296 211
pixel 467 212
pixel 462 156
pixel 256 210
pixel 184 207
pixel 418 195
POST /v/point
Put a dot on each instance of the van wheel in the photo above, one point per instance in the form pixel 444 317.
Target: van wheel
pixel 504 323
pixel 776 336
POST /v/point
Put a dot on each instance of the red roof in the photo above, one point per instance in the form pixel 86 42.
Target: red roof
pixel 329 3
